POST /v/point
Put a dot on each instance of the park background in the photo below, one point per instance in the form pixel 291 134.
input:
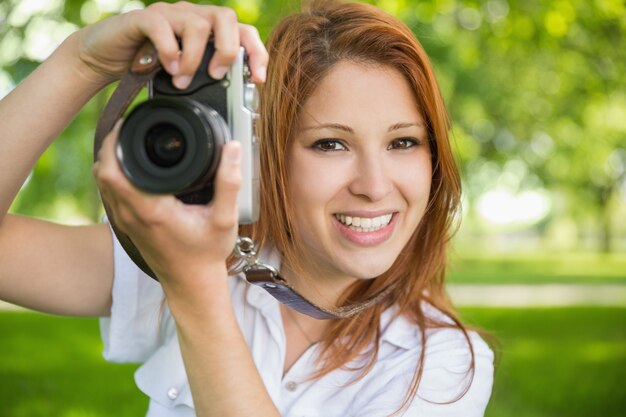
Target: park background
pixel 537 95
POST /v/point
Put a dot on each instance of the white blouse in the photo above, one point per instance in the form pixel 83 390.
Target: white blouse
pixel 141 329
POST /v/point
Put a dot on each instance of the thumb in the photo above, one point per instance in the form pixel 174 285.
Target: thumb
pixel 227 183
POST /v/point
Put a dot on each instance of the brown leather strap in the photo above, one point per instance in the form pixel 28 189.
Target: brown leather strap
pixel 145 66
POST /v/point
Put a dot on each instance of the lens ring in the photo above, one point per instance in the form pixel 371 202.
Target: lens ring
pixel 202 128
pixel 195 156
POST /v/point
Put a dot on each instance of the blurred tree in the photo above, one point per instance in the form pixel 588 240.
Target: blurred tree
pixel 535 89
pixel 537 83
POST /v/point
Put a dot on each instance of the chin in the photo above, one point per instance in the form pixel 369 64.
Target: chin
pixel 368 270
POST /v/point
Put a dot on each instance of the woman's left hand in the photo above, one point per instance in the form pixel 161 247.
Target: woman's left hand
pixel 181 242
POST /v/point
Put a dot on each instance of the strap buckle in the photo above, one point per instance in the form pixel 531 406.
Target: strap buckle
pixel 248 260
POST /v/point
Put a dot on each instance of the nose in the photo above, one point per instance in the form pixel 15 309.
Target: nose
pixel 371 178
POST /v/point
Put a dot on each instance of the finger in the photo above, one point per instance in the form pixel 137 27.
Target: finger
pixel 224 25
pixel 109 176
pixel 227 183
pixel 129 203
pixel 104 175
pixel 257 54
pixel 153 25
pixel 193 30
pixel 226 32
pixel 106 151
pixel 195 34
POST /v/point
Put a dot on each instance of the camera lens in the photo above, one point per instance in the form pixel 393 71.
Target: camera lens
pixel 171 144
pixel 165 145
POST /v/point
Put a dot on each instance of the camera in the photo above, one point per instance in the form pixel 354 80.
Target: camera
pixel 171 143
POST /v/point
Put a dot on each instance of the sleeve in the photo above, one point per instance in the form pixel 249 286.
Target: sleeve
pixel 139 317
pixel 445 378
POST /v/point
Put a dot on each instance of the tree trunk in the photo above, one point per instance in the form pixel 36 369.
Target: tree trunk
pixel 606 231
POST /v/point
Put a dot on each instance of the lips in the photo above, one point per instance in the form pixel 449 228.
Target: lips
pixel 366 231
pixel 364 224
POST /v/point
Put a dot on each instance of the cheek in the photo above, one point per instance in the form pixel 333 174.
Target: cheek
pixel 305 191
pixel 313 182
pixel 309 214
pixel 415 183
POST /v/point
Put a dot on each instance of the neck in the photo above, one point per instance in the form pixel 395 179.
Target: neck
pixel 301 326
pixel 301 332
pixel 322 289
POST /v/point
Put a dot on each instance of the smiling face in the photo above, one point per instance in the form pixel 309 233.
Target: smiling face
pixel 359 173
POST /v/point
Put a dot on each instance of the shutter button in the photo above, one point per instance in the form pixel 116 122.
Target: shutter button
pixel 172 393
pixel 291 386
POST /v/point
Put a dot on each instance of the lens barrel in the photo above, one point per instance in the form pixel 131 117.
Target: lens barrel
pixel 171 145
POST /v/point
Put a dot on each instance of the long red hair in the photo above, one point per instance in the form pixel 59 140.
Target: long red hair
pixel 303 48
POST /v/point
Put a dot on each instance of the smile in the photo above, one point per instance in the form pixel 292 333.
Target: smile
pixel 364 224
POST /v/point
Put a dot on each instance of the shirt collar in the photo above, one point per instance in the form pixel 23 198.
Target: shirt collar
pixel 398 330
pixel 395 329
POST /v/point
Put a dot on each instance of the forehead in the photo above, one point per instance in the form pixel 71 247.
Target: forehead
pixel 352 91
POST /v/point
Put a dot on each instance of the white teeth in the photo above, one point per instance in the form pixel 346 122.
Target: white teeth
pixel 376 222
pixel 364 224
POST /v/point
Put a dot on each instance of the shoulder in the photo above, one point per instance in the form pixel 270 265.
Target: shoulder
pixel 457 372
pixel 403 333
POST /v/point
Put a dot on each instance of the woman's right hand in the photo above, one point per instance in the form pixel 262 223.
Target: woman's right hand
pixel 107 48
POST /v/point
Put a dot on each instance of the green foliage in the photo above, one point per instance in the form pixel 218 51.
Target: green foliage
pixel 535 89
pixel 61 184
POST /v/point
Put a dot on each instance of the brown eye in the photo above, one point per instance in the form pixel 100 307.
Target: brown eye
pixel 403 143
pixel 328 145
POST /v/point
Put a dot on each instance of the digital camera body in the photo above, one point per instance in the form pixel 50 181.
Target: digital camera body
pixel 171 143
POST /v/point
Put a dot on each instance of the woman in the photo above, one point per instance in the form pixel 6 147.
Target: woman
pixel 359 189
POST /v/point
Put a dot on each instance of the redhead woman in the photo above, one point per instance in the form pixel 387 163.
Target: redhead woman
pixel 359 190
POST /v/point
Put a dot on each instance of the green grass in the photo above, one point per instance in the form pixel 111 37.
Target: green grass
pixel 554 362
pixel 533 269
pixel 557 362
pixel 53 367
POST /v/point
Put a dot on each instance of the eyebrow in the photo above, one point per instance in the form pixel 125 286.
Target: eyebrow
pixel 334 126
pixel 348 129
pixel 401 125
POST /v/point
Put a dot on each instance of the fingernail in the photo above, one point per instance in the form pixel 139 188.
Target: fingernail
pixel 262 73
pixel 182 81
pixel 232 152
pixel 219 72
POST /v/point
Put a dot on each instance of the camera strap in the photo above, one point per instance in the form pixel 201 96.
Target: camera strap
pixel 268 278
pixel 143 69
